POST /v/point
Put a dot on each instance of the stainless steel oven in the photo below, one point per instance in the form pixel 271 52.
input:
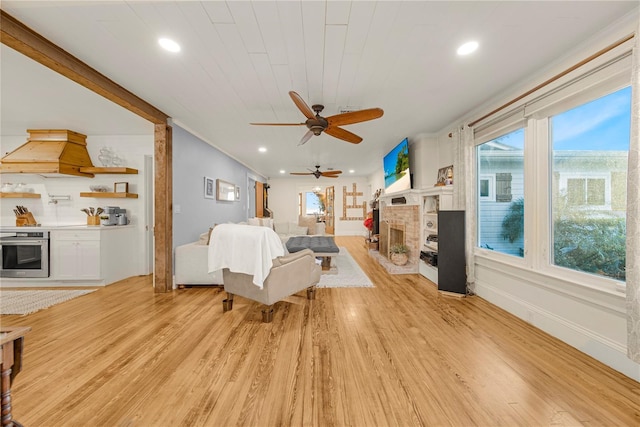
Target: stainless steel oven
pixel 24 254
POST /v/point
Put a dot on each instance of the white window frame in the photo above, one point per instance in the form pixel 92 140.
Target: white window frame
pixel 491 178
pixel 603 76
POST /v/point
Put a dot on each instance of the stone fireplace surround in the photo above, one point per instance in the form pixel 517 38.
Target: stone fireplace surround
pixel 401 224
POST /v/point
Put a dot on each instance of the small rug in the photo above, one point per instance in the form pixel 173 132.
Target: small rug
pixel 350 275
pixel 27 302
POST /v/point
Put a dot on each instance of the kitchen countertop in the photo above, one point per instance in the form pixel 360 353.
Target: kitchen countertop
pixel 7 228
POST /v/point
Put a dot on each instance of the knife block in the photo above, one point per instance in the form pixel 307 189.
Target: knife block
pixel 25 219
pixel 93 220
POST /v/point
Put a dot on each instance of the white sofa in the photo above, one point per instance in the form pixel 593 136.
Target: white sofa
pixel 191 264
pixel 284 230
pixel 306 225
pixel 191 259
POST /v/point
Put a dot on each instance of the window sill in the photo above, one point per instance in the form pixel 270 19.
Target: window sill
pixel 554 278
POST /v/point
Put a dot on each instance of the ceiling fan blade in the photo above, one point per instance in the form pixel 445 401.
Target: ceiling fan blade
pixel 355 117
pixel 330 176
pixel 278 124
pixel 306 137
pixel 302 106
pixel 332 172
pixel 343 134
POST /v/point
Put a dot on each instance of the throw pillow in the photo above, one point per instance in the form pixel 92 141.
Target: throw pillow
pixel 309 222
pixel 206 236
pixel 281 227
pixel 209 234
pixel 298 231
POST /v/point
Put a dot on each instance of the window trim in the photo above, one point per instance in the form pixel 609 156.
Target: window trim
pixel 491 178
pixel 538 227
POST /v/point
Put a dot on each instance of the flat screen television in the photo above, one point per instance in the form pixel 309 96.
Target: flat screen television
pixel 397 176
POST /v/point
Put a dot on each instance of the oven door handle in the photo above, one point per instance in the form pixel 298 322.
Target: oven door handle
pixel 13 241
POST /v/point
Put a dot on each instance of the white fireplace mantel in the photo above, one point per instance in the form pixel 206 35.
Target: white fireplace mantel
pixel 414 197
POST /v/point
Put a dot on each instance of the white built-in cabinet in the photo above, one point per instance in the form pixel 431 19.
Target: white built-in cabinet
pixel 75 255
pixel 104 254
pixel 432 201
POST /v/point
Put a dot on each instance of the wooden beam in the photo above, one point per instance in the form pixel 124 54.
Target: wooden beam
pixel 163 224
pixel 23 39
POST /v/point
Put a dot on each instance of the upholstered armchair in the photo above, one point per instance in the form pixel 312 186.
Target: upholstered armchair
pixel 289 275
pixel 254 266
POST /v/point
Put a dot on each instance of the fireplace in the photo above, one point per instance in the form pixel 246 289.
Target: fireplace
pixel 391 233
pixel 400 224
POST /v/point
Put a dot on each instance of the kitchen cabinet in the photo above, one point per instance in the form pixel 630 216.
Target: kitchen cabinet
pixel 75 255
pixel 97 255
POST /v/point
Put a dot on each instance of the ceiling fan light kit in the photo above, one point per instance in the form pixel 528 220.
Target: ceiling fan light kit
pixel 330 125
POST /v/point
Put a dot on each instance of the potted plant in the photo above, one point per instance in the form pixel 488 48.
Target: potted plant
pixel 399 254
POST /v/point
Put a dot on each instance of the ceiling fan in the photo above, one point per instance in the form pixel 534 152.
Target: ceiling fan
pixel 318 173
pixel 330 125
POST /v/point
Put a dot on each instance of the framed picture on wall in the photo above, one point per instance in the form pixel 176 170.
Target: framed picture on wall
pixel 209 188
pixel 445 176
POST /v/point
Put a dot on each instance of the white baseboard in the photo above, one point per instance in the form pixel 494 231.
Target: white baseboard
pixel 595 345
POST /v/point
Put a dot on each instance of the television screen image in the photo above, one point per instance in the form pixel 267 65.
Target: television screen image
pixel 397 176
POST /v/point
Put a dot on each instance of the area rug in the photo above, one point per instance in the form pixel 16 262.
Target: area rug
pixel 27 302
pixel 350 275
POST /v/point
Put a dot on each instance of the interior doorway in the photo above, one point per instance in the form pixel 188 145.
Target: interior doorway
pixel 329 217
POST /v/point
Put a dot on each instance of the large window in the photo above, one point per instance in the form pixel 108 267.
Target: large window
pixel 314 203
pixel 590 146
pixel 501 194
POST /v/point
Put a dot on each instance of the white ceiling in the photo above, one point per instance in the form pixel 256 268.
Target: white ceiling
pixel 239 59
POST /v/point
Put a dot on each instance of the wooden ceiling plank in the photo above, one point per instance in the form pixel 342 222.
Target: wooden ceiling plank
pixel 334 49
pixel 31 44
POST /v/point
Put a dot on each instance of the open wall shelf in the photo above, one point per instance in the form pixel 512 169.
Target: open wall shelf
pixel 112 170
pixel 19 195
pixel 104 195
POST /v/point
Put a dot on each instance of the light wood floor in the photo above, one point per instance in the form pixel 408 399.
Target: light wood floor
pixel 398 354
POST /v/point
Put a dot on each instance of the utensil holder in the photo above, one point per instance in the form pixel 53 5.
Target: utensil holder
pixel 93 220
pixel 25 219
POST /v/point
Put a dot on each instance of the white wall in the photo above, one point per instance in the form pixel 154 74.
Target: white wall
pixel 283 200
pixel 193 214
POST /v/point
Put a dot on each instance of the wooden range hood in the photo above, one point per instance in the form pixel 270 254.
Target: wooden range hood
pixel 50 153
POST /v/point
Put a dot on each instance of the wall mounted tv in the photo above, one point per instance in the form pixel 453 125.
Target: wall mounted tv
pixel 397 176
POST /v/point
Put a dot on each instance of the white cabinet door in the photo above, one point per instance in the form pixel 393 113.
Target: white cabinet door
pixel 75 255
pixel 88 257
pixel 64 259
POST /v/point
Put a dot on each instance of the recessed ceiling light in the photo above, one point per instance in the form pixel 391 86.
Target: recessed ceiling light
pixel 351 171
pixel 262 149
pixel 467 48
pixel 282 171
pixel 169 45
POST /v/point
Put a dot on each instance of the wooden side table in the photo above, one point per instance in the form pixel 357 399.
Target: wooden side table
pixel 11 345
